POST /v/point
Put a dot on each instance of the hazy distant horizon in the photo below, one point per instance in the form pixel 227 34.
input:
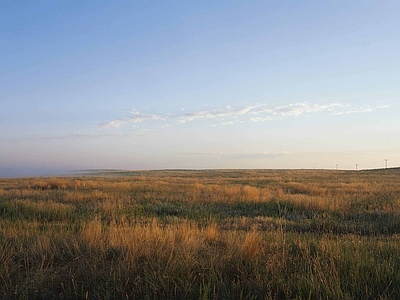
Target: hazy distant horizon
pixel 21 173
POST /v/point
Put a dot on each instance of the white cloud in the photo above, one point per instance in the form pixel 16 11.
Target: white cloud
pixel 114 123
pixel 253 113
pixel 223 123
pixel 382 106
pixel 211 114
pixel 297 109
pixel 259 119
pixel 356 110
pixel 135 117
pixel 227 123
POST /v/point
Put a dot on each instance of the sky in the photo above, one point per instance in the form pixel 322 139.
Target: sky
pixel 139 85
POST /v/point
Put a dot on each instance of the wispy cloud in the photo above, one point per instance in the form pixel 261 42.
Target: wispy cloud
pixel 114 123
pixel 223 123
pixel 297 109
pixel 259 119
pixel 364 109
pixel 254 113
pixel 135 117
pixel 211 114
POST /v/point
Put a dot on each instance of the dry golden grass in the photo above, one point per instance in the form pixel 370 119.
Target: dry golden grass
pixel 245 234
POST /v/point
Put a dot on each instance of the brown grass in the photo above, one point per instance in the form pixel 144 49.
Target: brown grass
pixel 202 235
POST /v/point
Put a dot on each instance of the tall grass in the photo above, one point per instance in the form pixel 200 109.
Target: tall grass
pixel 202 235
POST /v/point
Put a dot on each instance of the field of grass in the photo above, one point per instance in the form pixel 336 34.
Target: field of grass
pixel 212 234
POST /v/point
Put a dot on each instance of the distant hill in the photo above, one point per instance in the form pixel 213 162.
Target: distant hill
pixel 386 170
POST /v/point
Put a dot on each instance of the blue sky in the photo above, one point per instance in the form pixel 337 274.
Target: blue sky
pixel 198 84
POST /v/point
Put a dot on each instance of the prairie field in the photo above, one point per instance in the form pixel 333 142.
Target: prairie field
pixel 209 234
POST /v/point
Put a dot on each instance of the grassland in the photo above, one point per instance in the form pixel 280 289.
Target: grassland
pixel 224 234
